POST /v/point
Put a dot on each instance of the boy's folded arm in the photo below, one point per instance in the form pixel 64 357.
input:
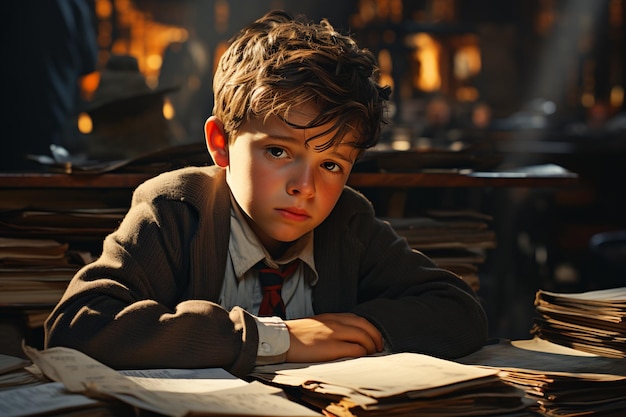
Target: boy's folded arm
pixel 146 334
pixel 124 309
pixel 432 318
pixel 416 305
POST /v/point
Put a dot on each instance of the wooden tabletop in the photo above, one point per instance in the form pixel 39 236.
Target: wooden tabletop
pixel 357 179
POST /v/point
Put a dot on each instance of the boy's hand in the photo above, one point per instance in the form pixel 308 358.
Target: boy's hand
pixel 332 336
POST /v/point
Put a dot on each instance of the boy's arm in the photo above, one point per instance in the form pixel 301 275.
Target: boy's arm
pixel 371 271
pixel 416 305
pixel 125 310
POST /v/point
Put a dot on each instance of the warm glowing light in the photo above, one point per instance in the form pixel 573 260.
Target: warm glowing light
pixel 386 66
pixel 384 61
pixel 587 100
pixel 617 96
pixel 85 124
pixel 467 94
pixel 467 62
pixel 222 14
pixel 401 145
pixel 168 109
pixel 427 54
pixel 104 9
pixel 88 84
pixel 154 62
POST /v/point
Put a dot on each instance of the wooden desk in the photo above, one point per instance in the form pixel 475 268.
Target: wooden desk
pixel 357 180
pixel 22 189
pixel 437 179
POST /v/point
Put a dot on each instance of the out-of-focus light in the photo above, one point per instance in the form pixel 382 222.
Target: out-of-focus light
pixel 168 109
pixel 85 124
pixel 617 96
pixel 548 107
pixel 104 9
pixel 587 100
pixel 154 62
pixel 88 84
pixel 467 62
pixel 467 94
pixel 401 145
pixel 427 54
pixel 384 61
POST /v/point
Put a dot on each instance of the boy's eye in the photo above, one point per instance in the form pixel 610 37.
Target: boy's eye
pixel 276 152
pixel 331 166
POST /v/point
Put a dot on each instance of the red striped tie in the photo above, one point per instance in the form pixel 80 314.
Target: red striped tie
pixel 271 281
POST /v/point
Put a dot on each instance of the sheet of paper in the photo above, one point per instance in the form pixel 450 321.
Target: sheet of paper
pixel 80 373
pixel 41 399
pixel 540 345
pixel 184 380
pixel 544 356
pixel 608 295
pixel 11 363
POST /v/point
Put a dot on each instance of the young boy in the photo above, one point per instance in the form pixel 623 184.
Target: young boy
pixel 178 284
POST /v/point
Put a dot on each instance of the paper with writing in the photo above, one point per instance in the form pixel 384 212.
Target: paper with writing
pixel 80 373
pixel 41 399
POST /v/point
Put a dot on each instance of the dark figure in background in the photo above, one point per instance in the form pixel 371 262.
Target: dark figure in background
pixel 51 44
pixel 127 114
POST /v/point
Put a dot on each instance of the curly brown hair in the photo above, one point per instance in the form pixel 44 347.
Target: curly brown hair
pixel 279 62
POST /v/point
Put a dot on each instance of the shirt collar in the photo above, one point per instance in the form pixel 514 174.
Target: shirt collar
pixel 246 250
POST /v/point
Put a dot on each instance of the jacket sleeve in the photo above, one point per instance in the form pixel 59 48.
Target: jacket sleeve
pixel 417 306
pixel 124 309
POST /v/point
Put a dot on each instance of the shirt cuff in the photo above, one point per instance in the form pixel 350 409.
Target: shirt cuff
pixel 273 340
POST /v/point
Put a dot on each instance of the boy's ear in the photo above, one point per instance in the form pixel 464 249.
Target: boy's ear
pixel 216 141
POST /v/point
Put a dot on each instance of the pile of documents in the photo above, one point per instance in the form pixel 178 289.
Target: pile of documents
pixel 455 240
pixel 561 381
pixel 79 225
pixel 565 394
pixel 593 321
pixel 42 249
pixel 398 384
pixel 13 373
pixel 33 271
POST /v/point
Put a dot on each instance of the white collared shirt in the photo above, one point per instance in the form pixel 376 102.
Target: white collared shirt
pixel 241 285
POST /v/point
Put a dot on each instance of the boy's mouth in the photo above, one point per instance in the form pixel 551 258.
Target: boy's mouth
pixel 294 213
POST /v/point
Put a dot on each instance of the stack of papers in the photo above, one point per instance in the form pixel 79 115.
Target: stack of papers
pixel 455 240
pixel 396 384
pixel 34 274
pixel 565 394
pixel 561 380
pixel 593 321
pixel 42 249
pixel 13 372
pixel 76 224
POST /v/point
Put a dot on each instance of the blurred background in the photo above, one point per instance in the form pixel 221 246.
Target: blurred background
pixel 528 81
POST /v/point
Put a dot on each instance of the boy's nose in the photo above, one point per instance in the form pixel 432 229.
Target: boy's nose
pixel 302 182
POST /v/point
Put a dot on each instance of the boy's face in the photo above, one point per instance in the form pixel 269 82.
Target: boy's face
pixel 285 187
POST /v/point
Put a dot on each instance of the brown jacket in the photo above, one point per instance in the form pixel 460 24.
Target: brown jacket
pixel 150 300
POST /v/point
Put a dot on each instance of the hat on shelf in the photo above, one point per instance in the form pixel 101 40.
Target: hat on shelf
pixel 123 88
